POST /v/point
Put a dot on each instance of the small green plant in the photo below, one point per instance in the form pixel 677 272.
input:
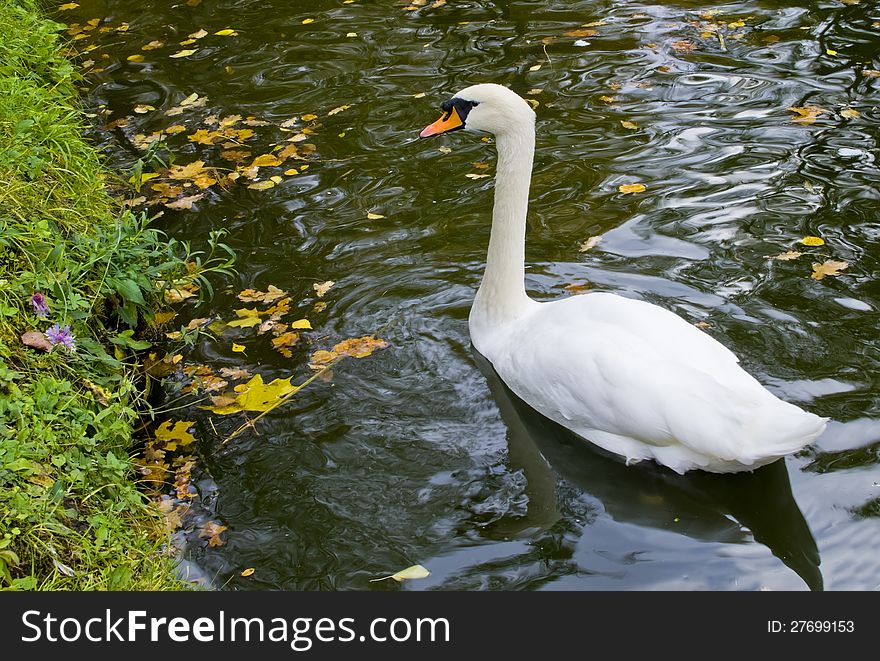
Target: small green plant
pixel 78 277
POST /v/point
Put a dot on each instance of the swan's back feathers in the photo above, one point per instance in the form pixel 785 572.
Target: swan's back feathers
pixel 642 382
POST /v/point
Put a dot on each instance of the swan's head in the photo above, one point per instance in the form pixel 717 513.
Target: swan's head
pixel 487 107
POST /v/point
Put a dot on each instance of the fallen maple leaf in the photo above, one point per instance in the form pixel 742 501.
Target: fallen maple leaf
pixel 829 267
pixel 212 531
pixel 806 114
pixel 359 347
pixel 184 202
pixel 256 396
pixel 271 294
pixel 322 288
pixel 789 255
pixel 176 435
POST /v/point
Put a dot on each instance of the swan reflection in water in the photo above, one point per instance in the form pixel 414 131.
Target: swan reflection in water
pixel 649 495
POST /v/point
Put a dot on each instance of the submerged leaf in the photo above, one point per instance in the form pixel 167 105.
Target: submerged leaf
pixel 788 256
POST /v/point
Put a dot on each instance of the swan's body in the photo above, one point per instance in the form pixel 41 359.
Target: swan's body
pixel 633 378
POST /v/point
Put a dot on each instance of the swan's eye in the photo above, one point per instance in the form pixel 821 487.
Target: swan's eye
pixel 455 112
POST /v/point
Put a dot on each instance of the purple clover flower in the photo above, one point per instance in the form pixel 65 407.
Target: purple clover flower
pixel 41 305
pixel 61 335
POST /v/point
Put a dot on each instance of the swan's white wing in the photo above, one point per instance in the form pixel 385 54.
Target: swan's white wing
pixel 637 377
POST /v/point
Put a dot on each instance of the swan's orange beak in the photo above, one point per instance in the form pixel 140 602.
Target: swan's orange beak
pixel 449 122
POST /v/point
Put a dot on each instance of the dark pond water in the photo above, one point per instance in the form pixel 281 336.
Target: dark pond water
pixel 418 454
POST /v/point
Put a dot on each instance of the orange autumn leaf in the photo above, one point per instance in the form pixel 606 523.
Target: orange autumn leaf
pixel 212 531
pixel 806 114
pixel 359 347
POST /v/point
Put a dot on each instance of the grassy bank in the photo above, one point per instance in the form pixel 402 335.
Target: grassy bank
pixel 71 516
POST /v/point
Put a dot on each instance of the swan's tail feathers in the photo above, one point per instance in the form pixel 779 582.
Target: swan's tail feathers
pixel 782 430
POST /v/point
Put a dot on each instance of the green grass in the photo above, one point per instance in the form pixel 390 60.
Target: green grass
pixel 71 516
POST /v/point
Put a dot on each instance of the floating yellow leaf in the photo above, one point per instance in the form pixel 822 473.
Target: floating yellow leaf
pixel 608 99
pixel 592 242
pixel 234 373
pixel 244 322
pixel 176 435
pixel 338 110
pixel 272 294
pixel 265 160
pixel 68 5
pixel 806 114
pixel 212 531
pixel 830 52
pixel 184 202
pixel 359 347
pixel 256 396
pixel 184 53
pixel 629 125
pixel 177 294
pixel 812 241
pixel 226 33
pixel 308 118
pixel 351 34
pixel 321 358
pixel 788 255
pixel 306 21
pixel 188 171
pixel 374 216
pixel 238 348
pixel 247 572
pixel 291 172
pixel 535 67
pixel 283 342
pixel 143 108
pixel 262 185
pixel 420 95
pixel 277 179
pixel 301 324
pixel 850 113
pixel 137 57
pixel 410 573
pixel 581 33
pixel 204 181
pixel 631 188
pixel 199 34
pixel 322 288
pixel 829 267
pixel 471 175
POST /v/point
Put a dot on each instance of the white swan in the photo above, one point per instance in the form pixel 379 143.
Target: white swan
pixel 631 377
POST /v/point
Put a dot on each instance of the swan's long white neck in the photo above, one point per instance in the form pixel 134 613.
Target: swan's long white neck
pixel 502 296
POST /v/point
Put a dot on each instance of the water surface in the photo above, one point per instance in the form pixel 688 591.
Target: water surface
pixel 418 454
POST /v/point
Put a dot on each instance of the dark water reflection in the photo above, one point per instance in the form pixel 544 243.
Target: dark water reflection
pixel 418 454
